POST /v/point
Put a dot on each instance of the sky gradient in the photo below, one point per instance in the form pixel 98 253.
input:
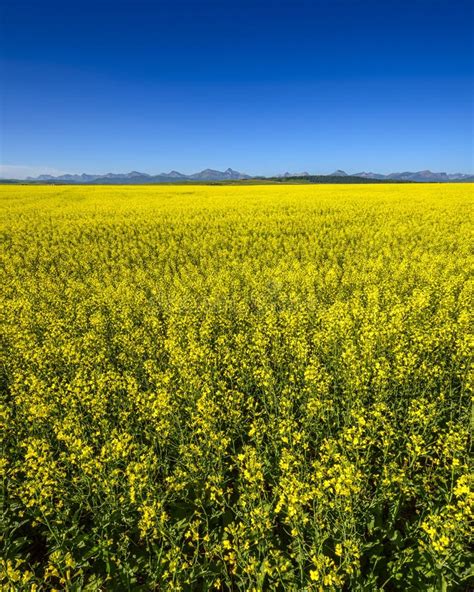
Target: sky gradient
pixel 262 87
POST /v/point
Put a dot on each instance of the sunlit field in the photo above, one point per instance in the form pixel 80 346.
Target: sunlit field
pixel 236 387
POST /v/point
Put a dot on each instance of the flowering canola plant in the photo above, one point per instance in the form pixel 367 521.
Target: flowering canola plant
pixel 236 387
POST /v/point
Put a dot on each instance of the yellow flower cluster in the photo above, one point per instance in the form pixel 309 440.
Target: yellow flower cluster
pixel 253 387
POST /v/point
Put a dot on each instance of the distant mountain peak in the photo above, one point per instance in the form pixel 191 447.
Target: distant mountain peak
pixel 213 175
pixel 303 174
pixel 339 173
pixel 174 174
pixel 133 174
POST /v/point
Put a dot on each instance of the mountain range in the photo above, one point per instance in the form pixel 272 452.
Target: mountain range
pixel 418 176
pixel 136 177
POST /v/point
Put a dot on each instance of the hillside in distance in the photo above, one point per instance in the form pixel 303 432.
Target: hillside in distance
pixel 233 176
pixel 326 179
pixel 419 176
pixel 135 177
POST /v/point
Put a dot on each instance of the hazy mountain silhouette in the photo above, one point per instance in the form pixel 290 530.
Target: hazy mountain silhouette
pixel 136 177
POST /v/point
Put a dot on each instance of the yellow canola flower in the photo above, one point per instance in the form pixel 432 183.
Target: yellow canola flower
pixel 245 387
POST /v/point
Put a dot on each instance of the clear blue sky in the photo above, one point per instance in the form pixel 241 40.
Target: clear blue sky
pixel 262 87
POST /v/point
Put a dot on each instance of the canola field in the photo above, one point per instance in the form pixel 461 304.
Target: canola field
pixel 240 388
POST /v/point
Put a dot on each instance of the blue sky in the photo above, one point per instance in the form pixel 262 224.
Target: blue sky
pixel 262 87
